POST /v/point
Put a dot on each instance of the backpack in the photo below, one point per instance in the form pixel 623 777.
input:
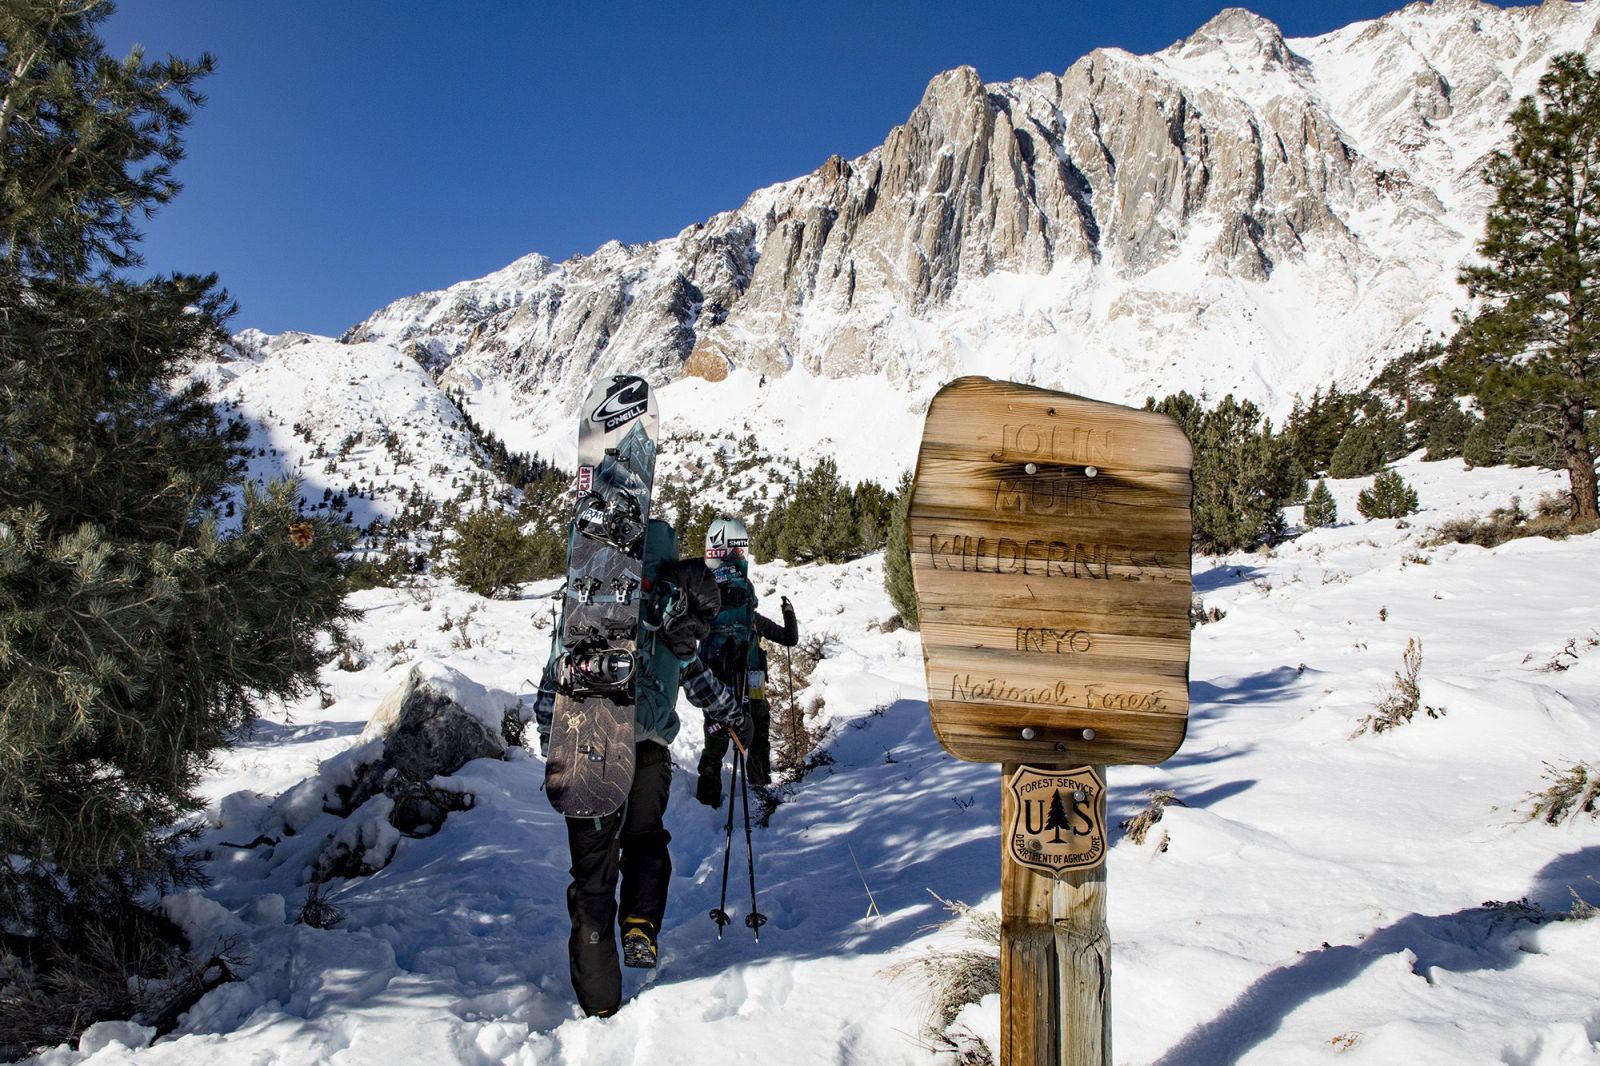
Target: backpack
pixel 732 641
pixel 655 708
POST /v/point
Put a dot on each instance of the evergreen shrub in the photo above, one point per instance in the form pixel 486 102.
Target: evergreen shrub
pixel 897 579
pixel 1321 510
pixel 140 629
pixel 1360 452
pixel 1388 497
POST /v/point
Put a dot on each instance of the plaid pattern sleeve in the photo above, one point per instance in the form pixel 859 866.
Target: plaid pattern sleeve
pixel 707 693
pixel 544 705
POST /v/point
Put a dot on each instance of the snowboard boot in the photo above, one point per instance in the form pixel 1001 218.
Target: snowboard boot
pixel 708 790
pixel 638 944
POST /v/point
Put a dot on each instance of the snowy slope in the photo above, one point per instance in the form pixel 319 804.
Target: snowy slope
pixel 1319 897
pixel 339 416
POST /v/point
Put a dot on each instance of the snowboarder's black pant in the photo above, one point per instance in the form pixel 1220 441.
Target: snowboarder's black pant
pixel 632 842
pixel 758 764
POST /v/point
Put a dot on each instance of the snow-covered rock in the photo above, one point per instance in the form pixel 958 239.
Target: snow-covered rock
pixel 436 721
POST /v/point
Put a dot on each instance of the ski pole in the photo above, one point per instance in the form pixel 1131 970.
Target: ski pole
pixel 794 709
pixel 755 919
pixel 720 914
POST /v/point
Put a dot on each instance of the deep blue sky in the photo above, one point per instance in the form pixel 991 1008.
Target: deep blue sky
pixel 355 152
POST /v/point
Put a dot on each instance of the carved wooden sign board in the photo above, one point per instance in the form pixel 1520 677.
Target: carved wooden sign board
pixel 1049 539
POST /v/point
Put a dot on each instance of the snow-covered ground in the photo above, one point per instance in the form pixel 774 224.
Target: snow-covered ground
pixel 1320 897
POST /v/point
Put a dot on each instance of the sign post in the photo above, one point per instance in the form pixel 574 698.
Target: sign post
pixel 1049 539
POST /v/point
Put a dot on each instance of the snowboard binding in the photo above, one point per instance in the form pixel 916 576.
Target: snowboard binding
pixel 613 520
pixel 596 671
pixel 587 589
pixel 585 635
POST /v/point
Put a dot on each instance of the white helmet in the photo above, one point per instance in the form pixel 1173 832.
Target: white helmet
pixel 726 540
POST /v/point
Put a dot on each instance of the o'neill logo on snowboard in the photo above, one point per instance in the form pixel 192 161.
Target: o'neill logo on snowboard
pixel 625 400
pixel 1059 819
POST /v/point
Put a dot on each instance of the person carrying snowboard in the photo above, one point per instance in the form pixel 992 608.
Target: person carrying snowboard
pixel 733 651
pixel 679 601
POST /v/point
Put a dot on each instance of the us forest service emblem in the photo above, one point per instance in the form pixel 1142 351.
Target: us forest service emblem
pixel 1059 820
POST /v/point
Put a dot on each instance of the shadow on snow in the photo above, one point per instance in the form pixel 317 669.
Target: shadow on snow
pixel 1221 577
pixel 1478 938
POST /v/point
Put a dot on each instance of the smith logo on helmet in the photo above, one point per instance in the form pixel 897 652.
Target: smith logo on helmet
pixel 625 401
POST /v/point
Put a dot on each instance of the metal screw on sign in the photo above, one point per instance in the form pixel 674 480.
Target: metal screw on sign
pixel 1091 471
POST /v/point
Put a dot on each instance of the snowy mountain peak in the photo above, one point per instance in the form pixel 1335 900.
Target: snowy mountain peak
pixel 1236 213
pixel 1243 36
pixel 959 84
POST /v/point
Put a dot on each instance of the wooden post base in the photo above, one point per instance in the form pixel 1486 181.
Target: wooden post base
pixel 1055 963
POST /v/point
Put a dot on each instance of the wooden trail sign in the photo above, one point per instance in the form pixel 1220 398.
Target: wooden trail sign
pixel 1049 539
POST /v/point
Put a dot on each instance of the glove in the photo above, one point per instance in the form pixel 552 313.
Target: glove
pixel 791 628
pixel 739 725
pixel 699 603
pixel 683 631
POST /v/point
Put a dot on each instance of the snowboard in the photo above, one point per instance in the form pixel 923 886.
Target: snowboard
pixel 589 765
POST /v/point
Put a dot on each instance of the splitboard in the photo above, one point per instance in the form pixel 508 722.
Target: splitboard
pixel 589 766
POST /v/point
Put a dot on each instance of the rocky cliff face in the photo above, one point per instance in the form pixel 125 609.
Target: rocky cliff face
pixel 1238 212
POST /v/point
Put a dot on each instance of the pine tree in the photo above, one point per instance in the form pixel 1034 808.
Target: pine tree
pixel 1535 340
pixel 897 578
pixel 764 533
pixel 1446 432
pixel 1388 497
pixel 697 522
pixel 872 505
pixel 1485 442
pixel 1320 508
pixel 546 513
pixel 1313 430
pixel 1359 453
pixel 818 523
pixel 490 553
pixel 137 633
pixel 1243 472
